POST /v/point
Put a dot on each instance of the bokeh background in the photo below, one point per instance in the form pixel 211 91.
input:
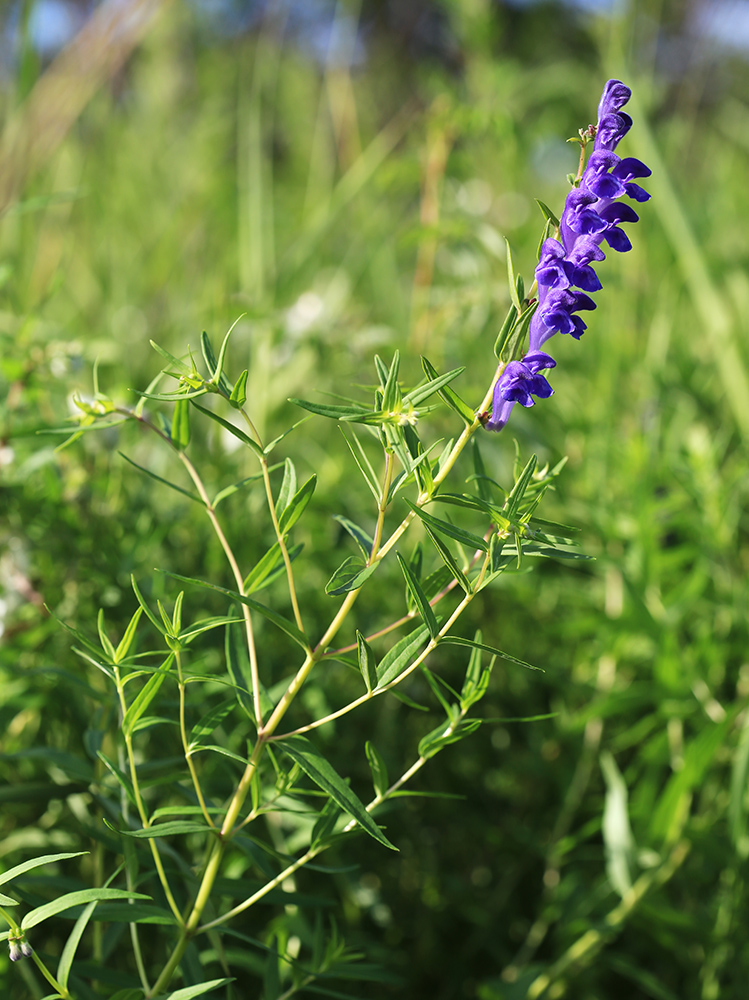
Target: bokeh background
pixel 343 175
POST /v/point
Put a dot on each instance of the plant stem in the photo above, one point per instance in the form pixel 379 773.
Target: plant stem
pixel 186 745
pixel 238 578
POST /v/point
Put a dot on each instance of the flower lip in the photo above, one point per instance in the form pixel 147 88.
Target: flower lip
pixel 521 380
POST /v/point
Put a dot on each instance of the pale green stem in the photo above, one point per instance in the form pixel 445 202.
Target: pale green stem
pixel 238 579
pixel 145 821
pixel 186 745
pixel 137 953
pixel 64 993
pixel 467 598
pixel 276 527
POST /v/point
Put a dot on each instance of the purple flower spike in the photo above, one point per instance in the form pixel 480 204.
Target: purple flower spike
pixel 592 214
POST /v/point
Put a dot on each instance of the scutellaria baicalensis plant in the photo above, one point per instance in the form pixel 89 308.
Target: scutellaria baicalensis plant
pixel 193 833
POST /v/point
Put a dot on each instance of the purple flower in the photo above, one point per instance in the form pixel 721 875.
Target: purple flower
pixel 518 383
pixel 592 214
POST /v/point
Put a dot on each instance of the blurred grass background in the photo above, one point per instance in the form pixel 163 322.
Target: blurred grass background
pixel 348 191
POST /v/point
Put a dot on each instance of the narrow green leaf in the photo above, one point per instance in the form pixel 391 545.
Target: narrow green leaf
pixel 449 560
pixel 122 779
pixel 378 768
pixel 325 823
pixel 437 580
pixel 145 696
pixel 164 482
pixel 216 366
pixel 288 487
pixel 367 662
pixel 181 424
pixel 36 916
pixel 382 370
pixel 106 645
pixel 360 536
pixel 237 432
pixel 190 992
pixel 205 625
pixel 443 735
pixel 174 828
pixel 27 866
pixel 469 501
pixel 391 396
pixel 415 565
pixel 458 640
pixel 435 384
pixel 239 671
pixel 276 440
pixel 476 681
pixel 513 347
pixel 546 232
pixel 515 499
pixel 7 901
pixel 400 656
pixel 512 280
pixel 127 640
pixel 332 411
pixel 481 478
pixel 503 337
pixel 269 567
pixel 315 766
pixel 437 684
pixel 365 466
pixel 548 214
pixel 177 613
pixel 449 395
pixel 239 393
pixel 278 620
pixel 71 945
pixel 296 506
pixel 229 490
pixel 451 530
pixel 211 720
pixel 180 365
pixel 350 575
pixel 171 397
pixel 220 750
pixel 92 660
pixel 419 597
pixel 141 600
